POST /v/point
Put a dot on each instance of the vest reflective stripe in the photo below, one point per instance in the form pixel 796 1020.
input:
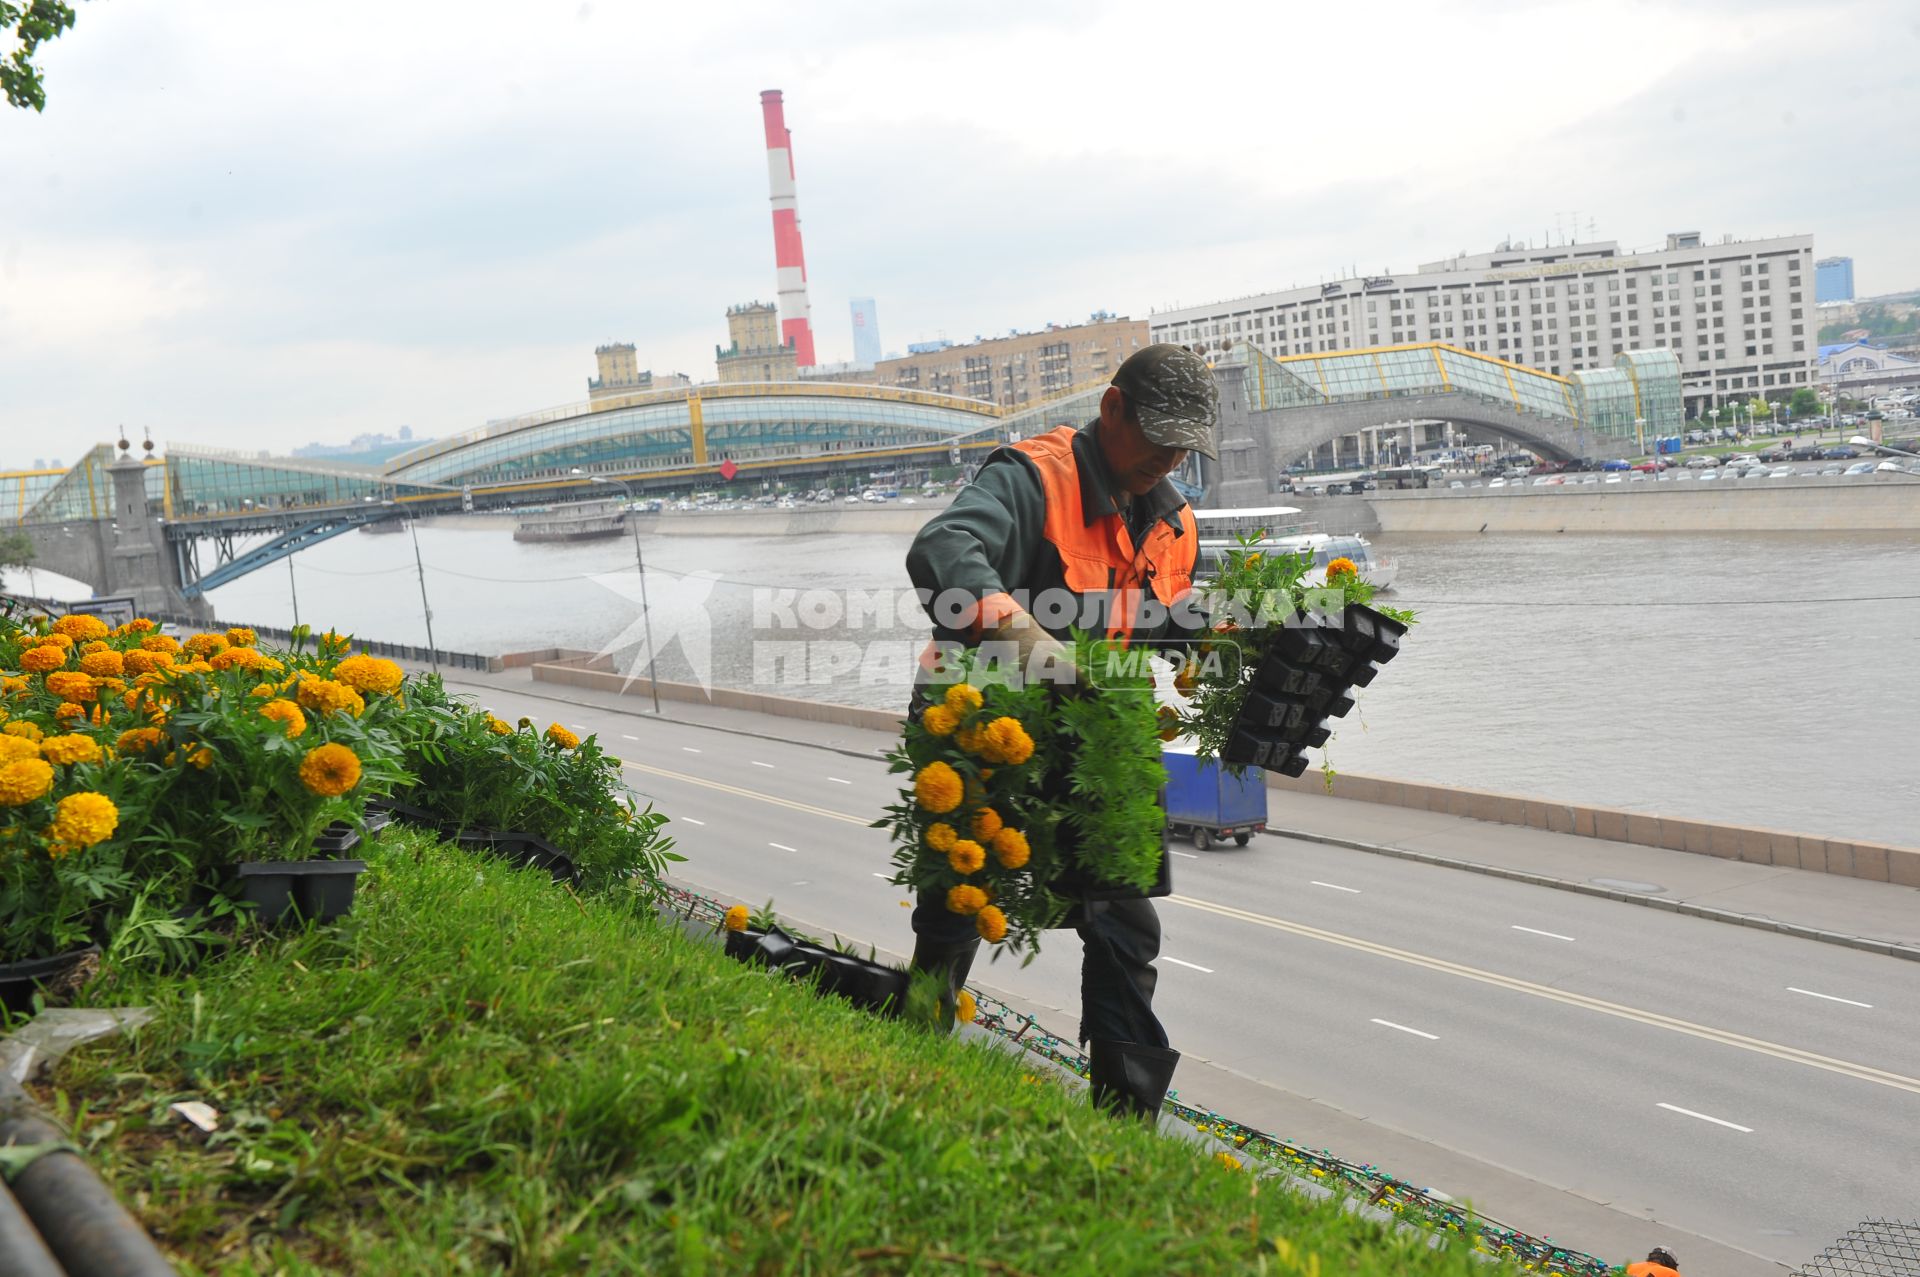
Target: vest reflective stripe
pixel 1100 557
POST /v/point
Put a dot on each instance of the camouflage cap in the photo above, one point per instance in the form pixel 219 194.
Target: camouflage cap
pixel 1171 390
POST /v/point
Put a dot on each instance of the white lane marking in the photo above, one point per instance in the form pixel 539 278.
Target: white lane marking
pixel 691 821
pixel 576 727
pixel 1337 887
pixel 1675 1108
pixel 883 875
pixel 624 736
pixel 782 846
pixel 1829 997
pixel 1189 855
pixel 757 763
pixel 688 749
pixel 1551 935
pixel 1193 965
pixel 836 780
pixel 1431 1037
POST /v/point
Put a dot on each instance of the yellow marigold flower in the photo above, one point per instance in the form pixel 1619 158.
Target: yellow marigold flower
pixel 964 1008
pixel 72 685
pixel 20 727
pixel 103 664
pixel 67 709
pixel 23 780
pixel 991 924
pixel 266 691
pixel 241 636
pixel 967 856
pixel 1341 568
pixel 737 918
pixel 139 740
pixel 70 749
pixel 13 684
pixel 287 713
pixel 1251 561
pixel 201 646
pixel 12 747
pixel 939 720
pixel 94 645
pixel 1010 740
pixel 46 656
pixel 80 628
pixel 370 674
pixel 139 625
pixel 499 726
pixel 160 643
pixel 941 836
pixel 330 770
pixel 83 819
pixel 963 899
pixel 201 758
pixel 937 787
pixel 243 658
pixel 526 722
pixel 561 736
pixel 1227 1160
pixel 141 661
pixel 963 699
pixel 986 823
pixel 62 641
pixel 1010 848
pixel 330 643
pixel 329 697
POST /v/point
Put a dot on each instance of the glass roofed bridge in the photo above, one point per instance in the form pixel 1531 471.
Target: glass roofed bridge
pixel 1282 409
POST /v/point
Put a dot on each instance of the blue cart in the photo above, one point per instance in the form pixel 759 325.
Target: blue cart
pixel 1209 804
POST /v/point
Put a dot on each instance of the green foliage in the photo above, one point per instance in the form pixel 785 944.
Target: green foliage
pixel 1879 321
pixel 32 24
pixel 16 549
pixel 480 1075
pixel 1805 403
pixel 1114 775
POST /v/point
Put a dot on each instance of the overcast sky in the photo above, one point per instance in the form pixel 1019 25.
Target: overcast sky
pixel 259 223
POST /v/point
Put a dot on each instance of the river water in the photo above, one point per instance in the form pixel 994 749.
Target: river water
pixel 1763 679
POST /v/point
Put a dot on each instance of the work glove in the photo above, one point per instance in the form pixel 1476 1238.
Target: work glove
pixel 1042 657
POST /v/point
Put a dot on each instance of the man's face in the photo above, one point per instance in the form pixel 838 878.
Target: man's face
pixel 1137 462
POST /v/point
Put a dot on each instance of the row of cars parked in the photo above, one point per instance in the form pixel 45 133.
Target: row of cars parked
pixel 1752 468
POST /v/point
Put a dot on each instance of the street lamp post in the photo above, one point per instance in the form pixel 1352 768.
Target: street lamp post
pixel 433 652
pixel 640 565
pixel 1861 441
pixel 1640 434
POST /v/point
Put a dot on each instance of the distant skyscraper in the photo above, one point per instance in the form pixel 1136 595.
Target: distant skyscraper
pixel 866 332
pixel 1833 279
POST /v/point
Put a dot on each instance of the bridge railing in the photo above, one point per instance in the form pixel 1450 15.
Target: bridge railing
pixel 373 647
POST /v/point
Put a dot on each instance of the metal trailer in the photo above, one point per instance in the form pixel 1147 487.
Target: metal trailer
pixel 1208 803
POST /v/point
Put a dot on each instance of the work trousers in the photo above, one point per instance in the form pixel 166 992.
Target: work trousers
pixel 1119 940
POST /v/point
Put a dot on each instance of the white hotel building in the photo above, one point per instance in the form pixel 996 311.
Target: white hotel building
pixel 1738 314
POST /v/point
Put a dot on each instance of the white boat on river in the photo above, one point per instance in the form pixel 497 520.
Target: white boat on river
pixel 1279 530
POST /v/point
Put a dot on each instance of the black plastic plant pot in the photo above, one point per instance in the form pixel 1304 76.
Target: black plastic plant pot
pixel 317 890
pixel 54 976
pixel 1272 715
pixel 742 945
pixel 537 853
pixel 1341 706
pixel 1244 749
pixel 1361 672
pixel 375 819
pixel 1278 677
pixel 418 817
pixel 883 989
pixel 807 958
pixel 1291 765
pixel 843 974
pixel 774 948
pixel 1383 632
pixel 1316 737
pixel 1310 647
pixel 336 839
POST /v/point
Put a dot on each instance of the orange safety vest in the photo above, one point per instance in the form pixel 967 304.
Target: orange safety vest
pixel 1100 556
pixel 1646 1268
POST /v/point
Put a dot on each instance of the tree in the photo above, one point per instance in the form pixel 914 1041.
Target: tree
pixel 16 551
pixel 1805 402
pixel 32 25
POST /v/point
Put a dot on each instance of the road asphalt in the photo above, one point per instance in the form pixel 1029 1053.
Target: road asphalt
pixel 1610 1076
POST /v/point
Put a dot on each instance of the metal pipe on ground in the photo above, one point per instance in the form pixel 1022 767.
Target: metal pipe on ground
pixel 86 1227
pixel 23 1252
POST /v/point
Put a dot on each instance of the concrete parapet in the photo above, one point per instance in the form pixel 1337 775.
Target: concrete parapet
pixel 1852 858
pixel 602 678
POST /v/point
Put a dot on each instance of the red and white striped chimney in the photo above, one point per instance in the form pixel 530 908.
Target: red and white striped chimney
pixel 790 261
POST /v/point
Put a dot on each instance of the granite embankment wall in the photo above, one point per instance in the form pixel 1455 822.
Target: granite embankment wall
pixel 1879 862
pixel 1863 503
pixel 884 519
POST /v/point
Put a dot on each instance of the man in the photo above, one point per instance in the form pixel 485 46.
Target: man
pixel 1658 1263
pixel 1082 527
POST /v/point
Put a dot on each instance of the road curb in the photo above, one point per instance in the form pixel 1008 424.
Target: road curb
pixel 1761 922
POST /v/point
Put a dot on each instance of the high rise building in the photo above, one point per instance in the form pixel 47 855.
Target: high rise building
pixel 1833 279
pixel 1020 368
pixel 866 332
pixel 758 352
pixel 1737 314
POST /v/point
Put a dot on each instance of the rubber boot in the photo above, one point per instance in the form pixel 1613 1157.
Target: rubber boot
pixel 1129 1078
pixel 954 959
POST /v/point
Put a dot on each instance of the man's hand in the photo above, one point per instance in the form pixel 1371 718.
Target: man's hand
pixel 1042 656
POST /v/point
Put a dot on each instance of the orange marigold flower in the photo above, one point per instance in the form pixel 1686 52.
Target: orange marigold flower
pixel 737 918
pixel 963 899
pixel 1010 741
pixel 937 787
pixel 141 661
pixel 62 641
pixel 963 698
pixel 287 713
pixel 67 709
pixel 939 720
pixel 12 747
pixel 201 758
pixel 23 780
pixel 1010 848
pixel 241 636
pixel 80 627
pixel 13 684
pixel 562 737
pixel 70 749
pixel 105 663
pixel 94 645
pixel 201 646
pixel 72 685
pixel 140 740
pixel 21 727
pixel 964 1008
pixel 330 770
pixel 160 643
pixel 991 924
pixel 46 656
pixel 139 625
pixel 83 819
pixel 329 697
pixel 366 674
pixel 941 836
pixel 986 823
pixel 967 856
pixel 1341 568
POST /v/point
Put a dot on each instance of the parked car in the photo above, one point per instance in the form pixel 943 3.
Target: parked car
pixel 1807 452
pixel 1456 484
pixel 1615 465
pixel 1782 472
pixel 1702 462
pixel 1840 452
pixel 1709 474
pixel 1887 467
pixel 1828 470
pixel 1861 467
pixel 1776 454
